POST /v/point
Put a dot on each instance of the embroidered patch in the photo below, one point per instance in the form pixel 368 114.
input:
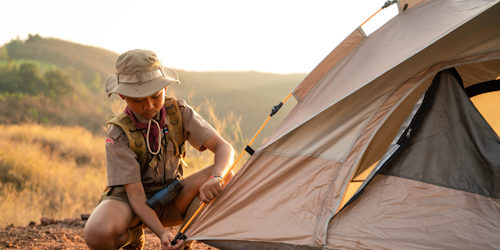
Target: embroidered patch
pixel 165 130
pixel 109 140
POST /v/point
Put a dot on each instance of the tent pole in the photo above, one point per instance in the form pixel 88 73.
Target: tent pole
pixel 371 17
pixel 180 234
pixel 386 4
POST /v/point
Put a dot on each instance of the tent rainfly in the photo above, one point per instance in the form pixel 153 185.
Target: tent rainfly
pixel 384 149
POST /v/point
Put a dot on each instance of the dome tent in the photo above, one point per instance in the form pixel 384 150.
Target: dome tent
pixel 393 105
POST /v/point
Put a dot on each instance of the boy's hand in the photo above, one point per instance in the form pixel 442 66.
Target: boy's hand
pixel 211 189
pixel 165 242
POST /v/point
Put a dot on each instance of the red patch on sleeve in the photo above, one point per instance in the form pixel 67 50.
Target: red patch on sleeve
pixel 109 140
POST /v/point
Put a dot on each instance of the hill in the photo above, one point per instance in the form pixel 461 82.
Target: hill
pixel 85 60
pixel 249 94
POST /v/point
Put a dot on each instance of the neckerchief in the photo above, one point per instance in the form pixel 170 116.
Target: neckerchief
pixel 154 132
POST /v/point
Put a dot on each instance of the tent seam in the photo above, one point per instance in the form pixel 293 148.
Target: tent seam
pixel 346 182
pixel 440 185
pixel 323 204
pixel 293 155
pixel 296 96
pixel 280 243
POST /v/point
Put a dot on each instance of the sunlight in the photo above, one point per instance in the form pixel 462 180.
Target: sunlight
pixel 487 104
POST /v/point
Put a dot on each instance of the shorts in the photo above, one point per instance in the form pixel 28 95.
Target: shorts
pixel 169 215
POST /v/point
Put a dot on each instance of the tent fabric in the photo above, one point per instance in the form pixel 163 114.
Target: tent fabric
pixel 399 213
pixel 428 200
pixel 461 150
pixel 443 141
pixel 473 69
pixel 287 201
pixel 331 60
pixel 286 195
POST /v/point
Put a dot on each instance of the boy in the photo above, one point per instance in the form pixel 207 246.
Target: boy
pixel 135 175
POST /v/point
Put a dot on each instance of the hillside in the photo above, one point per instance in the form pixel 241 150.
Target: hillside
pixel 87 60
pixel 250 95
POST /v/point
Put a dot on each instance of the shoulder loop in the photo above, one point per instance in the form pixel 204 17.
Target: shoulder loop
pixel 181 103
pixel 174 124
pixel 135 138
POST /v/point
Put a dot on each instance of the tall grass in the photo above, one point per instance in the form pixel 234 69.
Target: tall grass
pixel 60 172
pixel 53 172
pixel 228 127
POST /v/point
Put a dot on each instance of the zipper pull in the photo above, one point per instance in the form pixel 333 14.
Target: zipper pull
pixel 408 133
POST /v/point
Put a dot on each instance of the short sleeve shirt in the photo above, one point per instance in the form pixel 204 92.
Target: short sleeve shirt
pixel 122 164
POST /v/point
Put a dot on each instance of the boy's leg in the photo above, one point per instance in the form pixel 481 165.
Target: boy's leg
pixel 107 226
pixel 191 188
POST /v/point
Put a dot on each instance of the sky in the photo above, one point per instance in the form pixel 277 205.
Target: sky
pixel 266 36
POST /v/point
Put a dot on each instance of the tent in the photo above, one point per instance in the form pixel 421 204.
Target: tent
pixel 384 149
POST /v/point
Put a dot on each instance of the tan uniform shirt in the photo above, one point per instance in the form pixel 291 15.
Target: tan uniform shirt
pixel 122 164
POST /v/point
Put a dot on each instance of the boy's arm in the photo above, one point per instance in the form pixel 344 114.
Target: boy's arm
pixel 223 160
pixel 137 198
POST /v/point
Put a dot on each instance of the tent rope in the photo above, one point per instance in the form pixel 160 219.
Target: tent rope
pixel 180 234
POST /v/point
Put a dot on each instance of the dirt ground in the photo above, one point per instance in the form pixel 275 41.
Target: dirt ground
pixel 67 234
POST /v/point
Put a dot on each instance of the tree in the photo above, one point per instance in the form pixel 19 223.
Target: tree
pixel 57 83
pixel 34 38
pixel 10 81
pixel 13 47
pixel 4 54
pixel 32 82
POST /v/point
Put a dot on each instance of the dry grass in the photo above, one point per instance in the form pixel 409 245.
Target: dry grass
pixel 228 127
pixel 49 172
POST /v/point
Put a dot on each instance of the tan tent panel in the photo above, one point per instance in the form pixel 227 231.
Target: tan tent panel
pixel 382 219
pixel 350 117
pixel 329 62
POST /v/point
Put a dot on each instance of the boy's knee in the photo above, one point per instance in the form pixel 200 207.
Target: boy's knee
pixel 93 236
pixel 100 236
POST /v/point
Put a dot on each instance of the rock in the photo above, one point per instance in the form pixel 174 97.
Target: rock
pixel 69 221
pixel 85 216
pixel 47 221
pixel 32 223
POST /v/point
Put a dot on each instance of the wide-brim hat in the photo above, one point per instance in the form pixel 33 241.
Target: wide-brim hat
pixel 139 73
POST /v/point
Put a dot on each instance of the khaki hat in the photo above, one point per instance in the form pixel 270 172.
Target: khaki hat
pixel 139 74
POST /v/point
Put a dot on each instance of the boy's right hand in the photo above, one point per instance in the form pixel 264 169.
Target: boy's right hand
pixel 211 189
pixel 165 242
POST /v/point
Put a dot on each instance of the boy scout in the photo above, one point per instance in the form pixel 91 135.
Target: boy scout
pixel 140 164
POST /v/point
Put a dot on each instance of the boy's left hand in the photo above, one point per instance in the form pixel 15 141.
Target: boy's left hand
pixel 166 245
pixel 211 189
